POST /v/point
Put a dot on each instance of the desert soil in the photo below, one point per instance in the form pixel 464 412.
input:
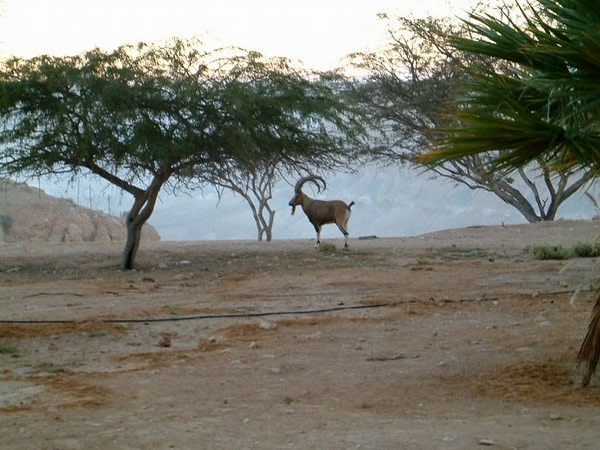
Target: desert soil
pixel 452 340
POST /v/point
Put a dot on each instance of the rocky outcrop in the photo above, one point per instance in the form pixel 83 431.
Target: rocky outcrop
pixel 29 214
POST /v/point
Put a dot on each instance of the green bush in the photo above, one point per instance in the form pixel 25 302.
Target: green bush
pixel 584 250
pixel 551 252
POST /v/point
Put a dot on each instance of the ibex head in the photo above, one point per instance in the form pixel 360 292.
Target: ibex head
pixel 299 195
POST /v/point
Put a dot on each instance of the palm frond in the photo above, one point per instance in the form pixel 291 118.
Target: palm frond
pixel 546 106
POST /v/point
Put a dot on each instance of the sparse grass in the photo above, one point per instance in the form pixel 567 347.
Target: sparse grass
pixel 7 348
pixel 327 247
pixel 52 369
pixel 98 333
pixel 465 254
pixel 454 253
pixel 174 310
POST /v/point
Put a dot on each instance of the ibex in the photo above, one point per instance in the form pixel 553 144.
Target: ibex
pixel 321 212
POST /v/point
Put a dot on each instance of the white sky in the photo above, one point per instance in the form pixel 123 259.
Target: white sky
pixel 318 32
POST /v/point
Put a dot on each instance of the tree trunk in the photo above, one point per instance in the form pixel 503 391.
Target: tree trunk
pixel 134 235
pixel 540 205
pixel 269 229
pixel 589 353
pixel 140 212
pixel 517 200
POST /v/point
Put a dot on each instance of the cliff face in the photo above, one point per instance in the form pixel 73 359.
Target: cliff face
pixel 29 214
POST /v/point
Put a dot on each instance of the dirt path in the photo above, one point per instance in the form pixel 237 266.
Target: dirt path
pixel 452 340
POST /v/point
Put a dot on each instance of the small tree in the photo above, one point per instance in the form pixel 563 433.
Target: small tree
pixel 255 187
pixel 412 90
pixel 144 117
pixel 253 179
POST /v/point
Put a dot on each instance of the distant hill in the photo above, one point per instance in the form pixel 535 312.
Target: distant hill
pixel 29 214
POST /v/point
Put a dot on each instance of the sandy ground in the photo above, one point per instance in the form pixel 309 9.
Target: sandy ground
pixel 451 340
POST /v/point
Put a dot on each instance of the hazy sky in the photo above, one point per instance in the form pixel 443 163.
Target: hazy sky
pixel 317 32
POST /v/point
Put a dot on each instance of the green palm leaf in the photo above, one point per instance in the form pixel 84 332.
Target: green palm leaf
pixel 546 105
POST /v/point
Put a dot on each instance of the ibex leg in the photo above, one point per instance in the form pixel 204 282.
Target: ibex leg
pixel 345 233
pixel 318 241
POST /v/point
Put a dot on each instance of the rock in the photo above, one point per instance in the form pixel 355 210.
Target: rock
pixel 317 335
pixel 181 277
pixel 524 349
pixel 165 340
pixel 29 214
pixel 266 325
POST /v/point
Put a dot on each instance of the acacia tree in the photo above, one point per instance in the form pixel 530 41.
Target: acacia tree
pixel 255 187
pixel 412 89
pixel 546 109
pixel 254 178
pixel 144 117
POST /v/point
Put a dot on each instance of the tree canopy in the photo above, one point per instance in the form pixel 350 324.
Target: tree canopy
pixel 414 90
pixel 147 117
pixel 547 107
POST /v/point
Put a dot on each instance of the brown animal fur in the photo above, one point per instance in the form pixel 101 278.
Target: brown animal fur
pixel 322 212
